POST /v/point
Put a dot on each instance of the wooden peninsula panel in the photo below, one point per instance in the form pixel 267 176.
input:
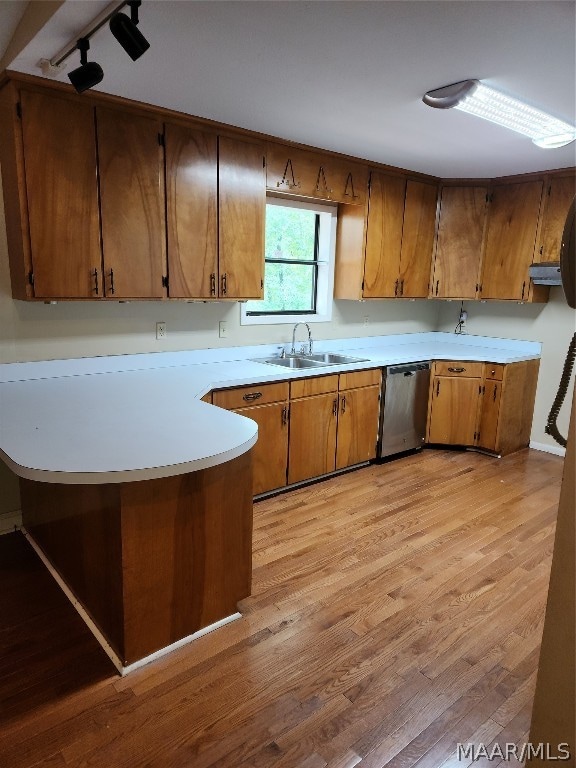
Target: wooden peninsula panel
pixel 151 561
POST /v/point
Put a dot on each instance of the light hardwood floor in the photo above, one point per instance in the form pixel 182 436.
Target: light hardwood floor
pixel 396 611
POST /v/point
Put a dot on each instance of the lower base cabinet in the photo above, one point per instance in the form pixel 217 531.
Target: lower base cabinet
pixel 358 415
pixel 308 427
pixel 485 405
pixel 267 405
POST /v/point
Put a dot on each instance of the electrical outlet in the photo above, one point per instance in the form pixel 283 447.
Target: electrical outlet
pixel 366 319
pixel 160 330
pixel 223 329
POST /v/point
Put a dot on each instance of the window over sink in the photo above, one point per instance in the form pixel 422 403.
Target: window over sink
pixel 299 256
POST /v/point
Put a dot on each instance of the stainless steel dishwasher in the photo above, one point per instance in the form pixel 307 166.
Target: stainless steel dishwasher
pixel 404 408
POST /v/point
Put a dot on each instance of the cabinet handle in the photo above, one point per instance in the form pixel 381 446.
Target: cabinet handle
pixel 112 291
pixel 250 396
pixel 494 395
pixel 335 407
pixel 284 415
pixel 437 387
pixel 456 370
pixel 343 403
pixel 223 281
pixel 401 287
pixel 96 285
pixel 437 284
pixel 396 288
pixel 493 372
pixel 213 284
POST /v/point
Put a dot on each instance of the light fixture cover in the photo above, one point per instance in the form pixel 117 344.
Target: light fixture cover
pixel 474 97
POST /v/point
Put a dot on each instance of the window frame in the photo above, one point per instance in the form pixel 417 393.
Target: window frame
pixel 323 274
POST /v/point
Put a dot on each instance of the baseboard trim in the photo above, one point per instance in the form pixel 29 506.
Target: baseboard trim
pixel 557 450
pixel 107 648
pixel 10 521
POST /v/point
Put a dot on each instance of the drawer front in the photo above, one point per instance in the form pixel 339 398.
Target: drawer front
pixel 458 368
pixel 257 394
pixel 319 385
pixel 494 371
pixel 356 379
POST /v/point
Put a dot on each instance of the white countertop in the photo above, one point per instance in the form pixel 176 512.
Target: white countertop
pixel 139 417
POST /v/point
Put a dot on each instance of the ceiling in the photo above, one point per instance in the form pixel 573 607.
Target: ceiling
pixel 346 76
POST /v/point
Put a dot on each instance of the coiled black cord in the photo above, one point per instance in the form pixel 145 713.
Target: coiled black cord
pixel 551 427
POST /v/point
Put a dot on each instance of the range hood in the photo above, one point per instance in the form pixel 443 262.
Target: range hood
pixel 546 273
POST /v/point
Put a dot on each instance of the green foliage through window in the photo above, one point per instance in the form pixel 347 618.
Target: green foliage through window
pixel 291 253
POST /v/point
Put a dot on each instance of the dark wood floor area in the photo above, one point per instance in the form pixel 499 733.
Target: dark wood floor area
pixel 396 611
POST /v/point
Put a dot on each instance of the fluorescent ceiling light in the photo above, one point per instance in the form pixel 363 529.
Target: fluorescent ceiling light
pixel 478 99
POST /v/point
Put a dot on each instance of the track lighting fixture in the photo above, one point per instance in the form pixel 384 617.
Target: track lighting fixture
pixel 127 33
pixel 124 29
pixel 89 73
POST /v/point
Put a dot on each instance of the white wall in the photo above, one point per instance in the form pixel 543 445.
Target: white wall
pixel 552 324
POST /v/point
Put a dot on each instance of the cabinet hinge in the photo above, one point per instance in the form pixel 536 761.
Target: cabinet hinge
pixel 263 161
pixel 362 286
pixel 477 287
pixel 483 390
pixel 549 190
pixel 164 281
pixel 161 139
pixel 480 390
pixel 19 110
pixel 31 277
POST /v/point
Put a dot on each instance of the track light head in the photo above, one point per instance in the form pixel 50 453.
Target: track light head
pixel 88 74
pixel 127 33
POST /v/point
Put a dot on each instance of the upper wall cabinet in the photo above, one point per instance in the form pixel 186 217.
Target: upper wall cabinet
pixel 385 249
pixel 51 199
pixel 559 191
pixel 458 253
pixel 131 171
pixel 311 174
pixel 242 210
pixel 216 202
pixel 513 213
pixel 192 211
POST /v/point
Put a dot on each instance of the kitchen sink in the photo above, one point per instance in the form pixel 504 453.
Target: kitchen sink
pixel 291 362
pixel 311 361
pixel 331 358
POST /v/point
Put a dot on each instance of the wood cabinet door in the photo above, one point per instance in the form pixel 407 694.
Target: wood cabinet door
pixel 459 242
pixel 418 232
pixel 558 196
pixel 358 414
pixel 384 236
pixel 312 450
pixel 510 241
pixel 62 190
pixel 270 454
pixel 453 410
pixel 192 211
pixel 242 209
pixel 490 409
pixel 131 168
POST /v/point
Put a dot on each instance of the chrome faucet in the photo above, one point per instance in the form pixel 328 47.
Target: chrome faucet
pixel 293 350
